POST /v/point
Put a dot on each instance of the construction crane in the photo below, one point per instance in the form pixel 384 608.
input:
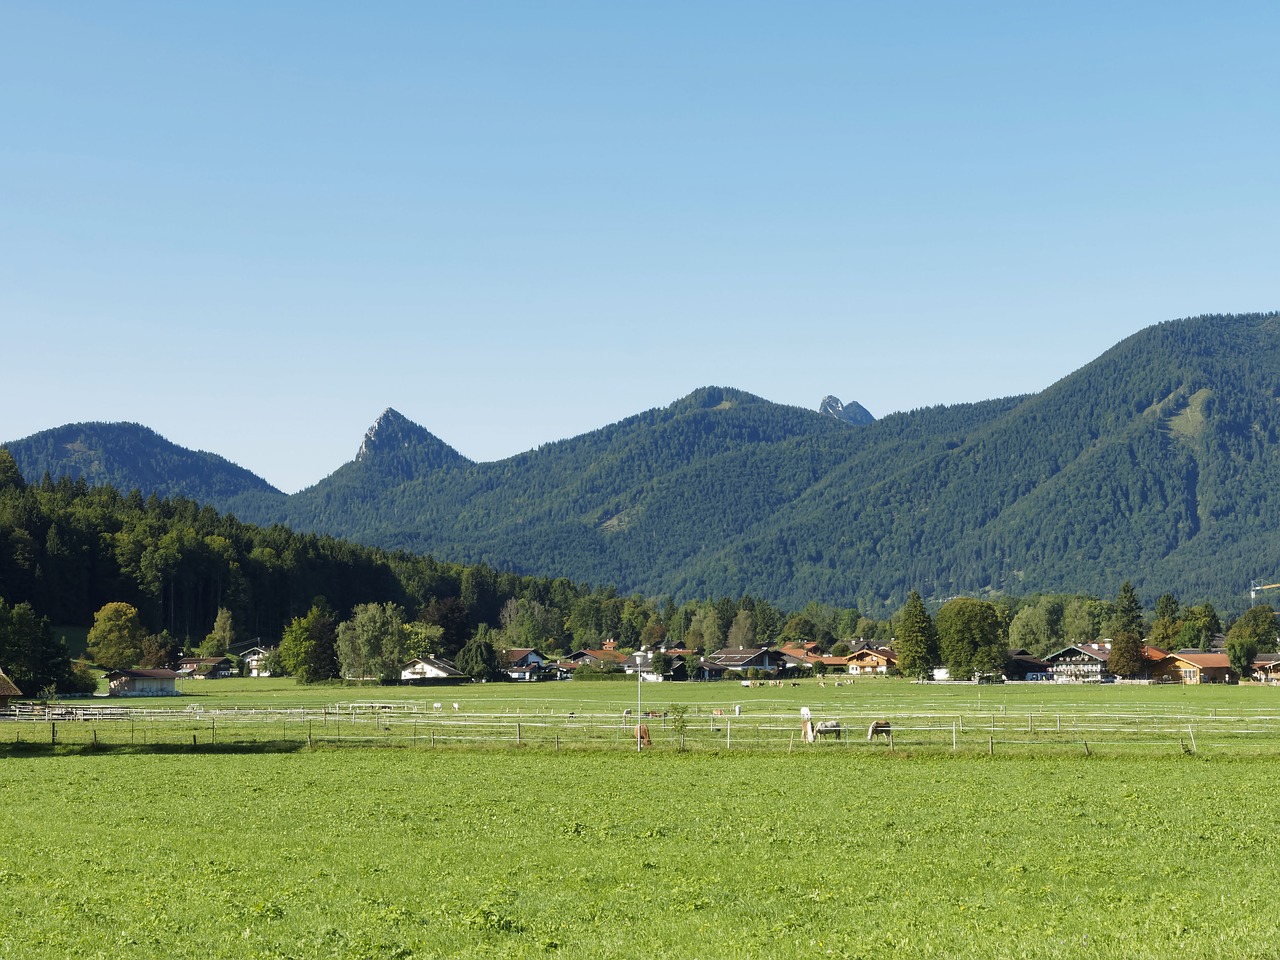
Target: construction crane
pixel 1257 586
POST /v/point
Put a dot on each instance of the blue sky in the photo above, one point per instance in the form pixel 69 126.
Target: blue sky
pixel 252 227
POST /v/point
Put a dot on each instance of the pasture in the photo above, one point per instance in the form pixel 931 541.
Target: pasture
pixel 960 718
pixel 259 819
pixel 382 853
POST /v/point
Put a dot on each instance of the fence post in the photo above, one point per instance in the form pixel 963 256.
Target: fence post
pixel 1192 734
pixel 991 746
pixel 728 727
pixel 1086 748
pixel 517 734
pixel 53 734
pixel 953 736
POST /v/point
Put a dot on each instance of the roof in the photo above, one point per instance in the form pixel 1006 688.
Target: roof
pixel 1205 661
pixel 1098 651
pixel 7 687
pixel 438 663
pixel 144 674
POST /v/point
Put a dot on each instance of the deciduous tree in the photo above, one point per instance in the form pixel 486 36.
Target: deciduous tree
pixel 115 639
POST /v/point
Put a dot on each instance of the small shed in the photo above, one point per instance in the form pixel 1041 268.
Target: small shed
pixel 142 683
pixel 8 690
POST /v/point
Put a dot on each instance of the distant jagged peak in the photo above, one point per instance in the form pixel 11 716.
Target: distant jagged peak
pixel 851 412
pixel 394 437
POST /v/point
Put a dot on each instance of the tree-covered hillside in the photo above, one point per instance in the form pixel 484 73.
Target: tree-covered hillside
pixel 1157 463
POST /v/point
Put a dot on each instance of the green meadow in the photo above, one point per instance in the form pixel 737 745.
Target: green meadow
pixel 386 853
pixel 204 835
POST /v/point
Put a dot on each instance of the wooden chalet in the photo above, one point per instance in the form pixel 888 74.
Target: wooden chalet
pixel 142 683
pixel 1081 663
pixel 1200 668
pixel 872 661
pixel 8 691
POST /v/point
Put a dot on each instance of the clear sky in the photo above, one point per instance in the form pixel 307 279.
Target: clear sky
pixel 253 226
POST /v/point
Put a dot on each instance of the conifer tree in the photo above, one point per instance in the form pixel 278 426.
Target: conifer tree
pixel 916 641
pixel 1126 638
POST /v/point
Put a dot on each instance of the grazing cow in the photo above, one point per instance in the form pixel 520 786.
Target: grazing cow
pixel 879 728
pixel 642 735
pixel 828 728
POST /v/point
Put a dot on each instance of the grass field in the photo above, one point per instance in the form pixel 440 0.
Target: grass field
pixel 256 846
pixel 399 853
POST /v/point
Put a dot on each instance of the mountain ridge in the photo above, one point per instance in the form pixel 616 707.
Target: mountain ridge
pixel 1153 463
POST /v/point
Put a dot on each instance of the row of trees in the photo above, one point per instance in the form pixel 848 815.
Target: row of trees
pixel 970 636
pixel 196 581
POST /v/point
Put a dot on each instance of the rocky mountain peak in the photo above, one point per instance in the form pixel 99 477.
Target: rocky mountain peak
pixel 851 412
pixel 401 448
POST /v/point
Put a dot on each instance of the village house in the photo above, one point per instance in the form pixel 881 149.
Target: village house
pixel 206 668
pixel 809 656
pixel 524 664
pixel 430 669
pixel 142 683
pixel 642 662
pixel 741 659
pixel 607 656
pixel 872 661
pixel 1266 667
pixel 8 690
pixel 254 662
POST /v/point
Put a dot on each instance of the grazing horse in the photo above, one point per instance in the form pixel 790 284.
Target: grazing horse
pixel 828 728
pixel 879 728
pixel 626 714
pixel 642 735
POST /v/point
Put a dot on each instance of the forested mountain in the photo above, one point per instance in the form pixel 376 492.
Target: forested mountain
pixel 129 455
pixel 1158 463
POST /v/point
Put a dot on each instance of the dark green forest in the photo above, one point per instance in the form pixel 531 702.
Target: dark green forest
pixel 1157 463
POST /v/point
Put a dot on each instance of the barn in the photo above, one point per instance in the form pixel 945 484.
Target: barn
pixel 8 690
pixel 142 683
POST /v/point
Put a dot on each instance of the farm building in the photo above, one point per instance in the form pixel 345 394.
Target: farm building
pixel 1021 665
pixel 1083 662
pixel 142 683
pixel 8 690
pixel 428 669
